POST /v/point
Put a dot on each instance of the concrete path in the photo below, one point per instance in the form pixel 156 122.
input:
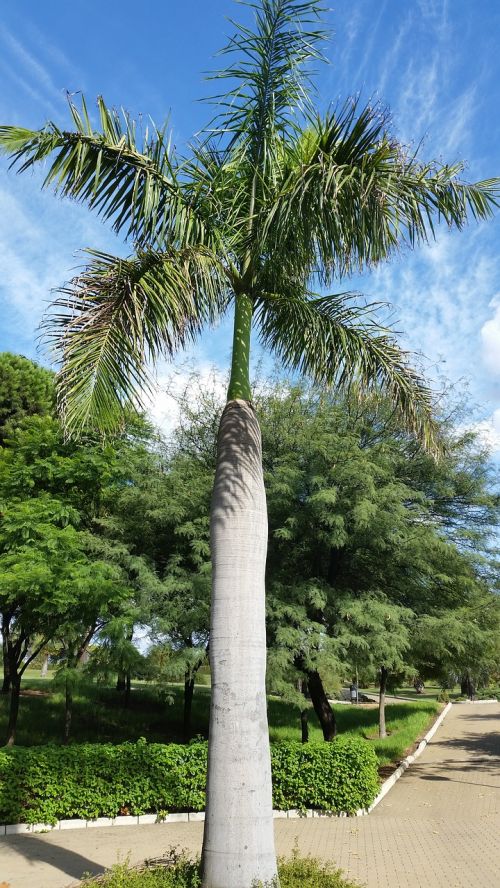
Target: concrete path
pixel 438 828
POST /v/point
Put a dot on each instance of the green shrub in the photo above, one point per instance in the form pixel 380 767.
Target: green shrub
pixel 487 694
pixel 310 873
pixel 444 697
pixel 338 776
pixel 181 874
pixel 294 873
pixel 48 783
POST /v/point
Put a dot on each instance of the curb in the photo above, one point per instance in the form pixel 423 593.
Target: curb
pixel 22 829
pixel 405 764
pixel 473 702
pixel 12 829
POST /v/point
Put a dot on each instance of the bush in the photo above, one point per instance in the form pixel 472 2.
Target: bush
pixel 181 873
pixel 48 783
pixel 338 776
pixel 443 696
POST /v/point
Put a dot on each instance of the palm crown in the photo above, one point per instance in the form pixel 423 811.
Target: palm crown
pixel 273 201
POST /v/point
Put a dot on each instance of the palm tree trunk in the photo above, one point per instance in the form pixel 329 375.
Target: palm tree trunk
pixel 384 674
pixel 238 842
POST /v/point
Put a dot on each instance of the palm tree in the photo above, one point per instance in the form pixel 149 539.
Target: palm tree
pixel 273 201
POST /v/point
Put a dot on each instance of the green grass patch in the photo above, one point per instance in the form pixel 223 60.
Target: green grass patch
pixel 405 722
pixel 101 717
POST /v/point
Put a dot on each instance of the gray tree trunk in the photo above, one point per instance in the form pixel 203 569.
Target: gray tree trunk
pixel 238 843
pixel 384 675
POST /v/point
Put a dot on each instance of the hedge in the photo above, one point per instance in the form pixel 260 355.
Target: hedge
pixel 43 784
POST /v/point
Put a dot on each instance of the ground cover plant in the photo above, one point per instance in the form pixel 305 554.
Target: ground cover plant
pixel 293 873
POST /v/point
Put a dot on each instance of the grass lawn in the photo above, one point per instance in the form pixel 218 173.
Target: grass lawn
pixel 100 716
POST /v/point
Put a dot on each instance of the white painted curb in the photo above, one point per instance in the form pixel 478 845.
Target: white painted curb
pixel 143 819
pixel 474 702
pixel 405 764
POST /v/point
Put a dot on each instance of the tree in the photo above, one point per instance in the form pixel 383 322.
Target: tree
pixel 374 631
pixel 26 389
pixel 275 198
pixel 163 514
pixel 65 570
pixel 45 579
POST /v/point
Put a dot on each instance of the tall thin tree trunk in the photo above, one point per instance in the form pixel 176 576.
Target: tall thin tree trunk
pixel 238 842
pixel 120 681
pixel 6 665
pixel 13 709
pixel 384 675
pixel 466 685
pixel 188 705
pixel 6 672
pixel 68 710
pixel 128 687
pixel 304 726
pixel 321 705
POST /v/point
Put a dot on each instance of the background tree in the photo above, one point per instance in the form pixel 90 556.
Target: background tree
pixel 26 389
pixel 354 507
pixel 57 506
pixel 45 576
pixel 376 633
pixel 280 198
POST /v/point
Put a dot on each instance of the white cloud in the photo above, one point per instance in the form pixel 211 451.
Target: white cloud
pixel 31 66
pixel 490 335
pixel 441 295
pixel 358 77
pixel 391 59
pixel 454 131
pixel 185 379
pixel 489 432
pixel 40 244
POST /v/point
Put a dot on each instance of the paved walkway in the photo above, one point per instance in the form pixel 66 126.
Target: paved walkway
pixel 438 828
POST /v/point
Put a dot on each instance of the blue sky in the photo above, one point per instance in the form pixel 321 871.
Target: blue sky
pixel 435 63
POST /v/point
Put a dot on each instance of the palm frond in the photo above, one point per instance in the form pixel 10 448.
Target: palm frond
pixel 270 71
pixel 120 314
pixel 336 342
pixel 133 182
pixel 351 195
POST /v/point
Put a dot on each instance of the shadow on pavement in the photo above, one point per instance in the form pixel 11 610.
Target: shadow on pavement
pixel 35 850
pixel 478 745
pixel 452 780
